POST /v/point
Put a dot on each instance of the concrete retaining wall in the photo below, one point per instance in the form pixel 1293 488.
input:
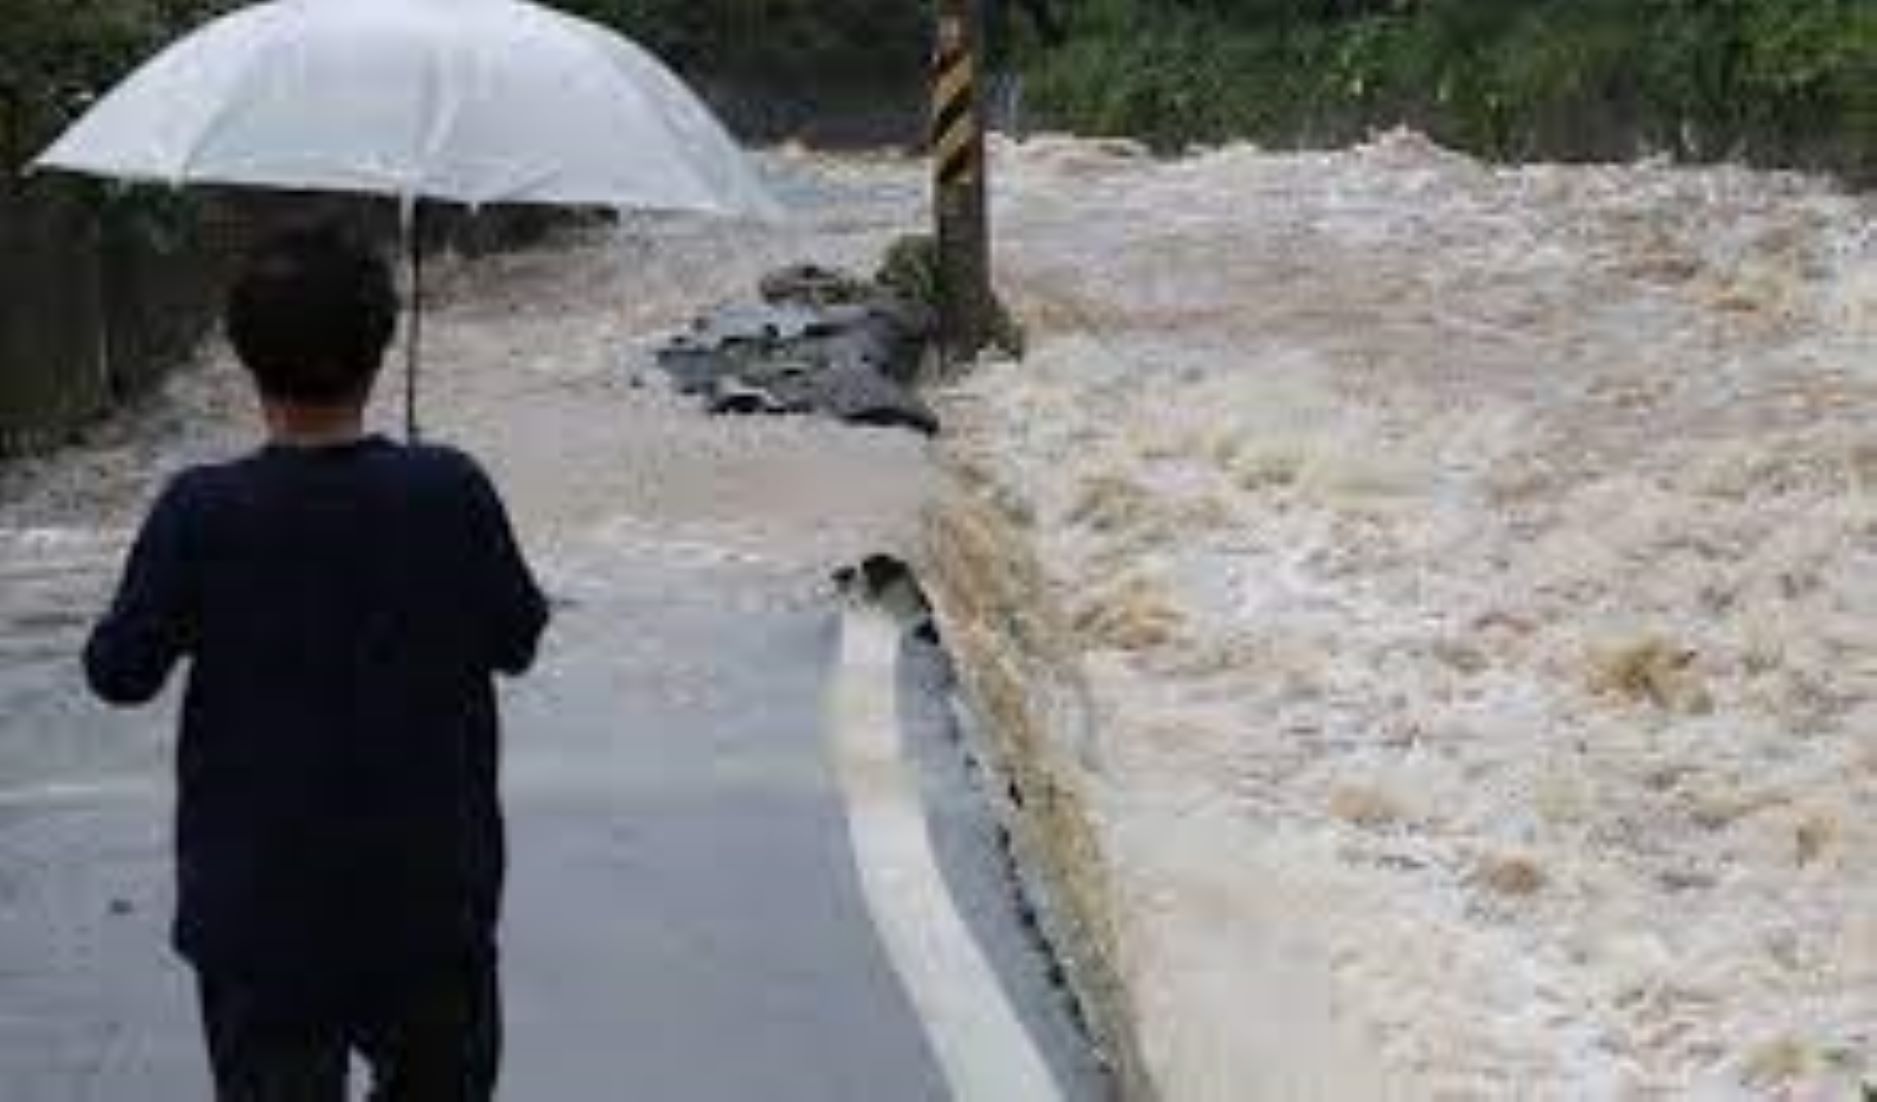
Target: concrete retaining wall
pixel 52 354
pixel 1008 640
pixel 93 310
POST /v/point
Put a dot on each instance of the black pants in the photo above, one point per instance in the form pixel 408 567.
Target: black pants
pixel 430 1037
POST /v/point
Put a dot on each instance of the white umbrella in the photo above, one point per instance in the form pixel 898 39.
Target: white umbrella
pixel 471 101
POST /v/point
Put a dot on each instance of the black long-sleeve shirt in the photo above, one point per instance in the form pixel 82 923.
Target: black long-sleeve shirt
pixel 344 609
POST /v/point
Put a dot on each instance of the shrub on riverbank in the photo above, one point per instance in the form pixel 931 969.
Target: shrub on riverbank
pixel 1790 82
pixel 844 41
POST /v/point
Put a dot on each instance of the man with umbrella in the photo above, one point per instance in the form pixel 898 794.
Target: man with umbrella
pixel 345 601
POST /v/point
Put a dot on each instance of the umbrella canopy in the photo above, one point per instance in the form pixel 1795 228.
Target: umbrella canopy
pixel 473 101
pixel 469 101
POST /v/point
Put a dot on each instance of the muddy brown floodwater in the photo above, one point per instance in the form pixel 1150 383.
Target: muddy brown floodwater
pixel 1474 574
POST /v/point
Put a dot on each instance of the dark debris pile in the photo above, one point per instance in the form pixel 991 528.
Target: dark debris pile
pixel 821 342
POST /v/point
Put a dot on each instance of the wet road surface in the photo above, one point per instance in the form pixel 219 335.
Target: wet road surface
pixel 684 919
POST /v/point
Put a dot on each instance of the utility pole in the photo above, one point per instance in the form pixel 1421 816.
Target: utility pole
pixel 959 186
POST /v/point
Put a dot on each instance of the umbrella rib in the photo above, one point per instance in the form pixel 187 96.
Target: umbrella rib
pixel 443 119
pixel 580 30
pixel 224 111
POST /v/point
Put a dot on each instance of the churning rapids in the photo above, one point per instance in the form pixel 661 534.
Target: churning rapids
pixel 1476 576
pixel 1475 571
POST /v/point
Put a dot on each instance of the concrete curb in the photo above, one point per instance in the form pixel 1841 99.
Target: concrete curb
pixel 1006 639
pixel 983 1047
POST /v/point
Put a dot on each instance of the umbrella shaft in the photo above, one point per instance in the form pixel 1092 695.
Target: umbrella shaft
pixel 413 244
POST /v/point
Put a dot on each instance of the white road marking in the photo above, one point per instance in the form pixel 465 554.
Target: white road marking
pixel 983 1048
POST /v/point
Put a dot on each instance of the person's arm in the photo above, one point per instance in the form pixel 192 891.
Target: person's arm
pixel 515 611
pixel 152 622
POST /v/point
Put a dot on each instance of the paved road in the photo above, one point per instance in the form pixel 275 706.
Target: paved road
pixel 685 919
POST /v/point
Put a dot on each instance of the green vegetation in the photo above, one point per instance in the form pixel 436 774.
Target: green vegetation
pixel 770 42
pixel 1776 81
pixel 55 55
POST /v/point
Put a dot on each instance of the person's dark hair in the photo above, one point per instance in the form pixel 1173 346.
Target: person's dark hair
pixel 312 313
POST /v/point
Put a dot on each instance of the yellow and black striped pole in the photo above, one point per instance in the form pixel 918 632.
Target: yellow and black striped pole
pixel 959 181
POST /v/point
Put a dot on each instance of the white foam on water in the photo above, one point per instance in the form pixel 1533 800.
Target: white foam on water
pixel 1474 568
